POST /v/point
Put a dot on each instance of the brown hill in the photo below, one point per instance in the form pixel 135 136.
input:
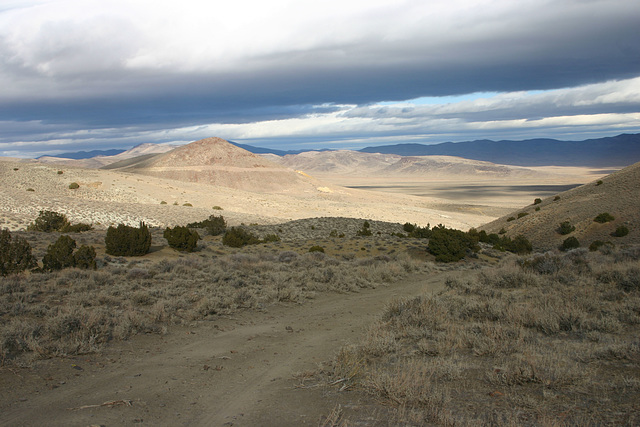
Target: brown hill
pixel 145 149
pixel 345 162
pixel 215 161
pixel 617 194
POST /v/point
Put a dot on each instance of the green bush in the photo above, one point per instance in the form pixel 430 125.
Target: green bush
pixel 599 182
pixel 421 232
pixel 215 225
pixel 604 217
pixel 511 218
pixel 316 248
pixel 271 238
pixel 48 221
pixel 181 238
pixel 217 208
pixel 570 243
pixel 408 227
pixel 59 255
pixel 449 245
pixel 85 257
pixel 522 214
pixel 519 245
pixel 238 237
pixel 565 228
pixel 537 201
pixel 74 185
pixel 365 230
pixel 15 254
pixel 555 199
pixel 77 228
pixel 621 231
pixel 128 241
pixel 60 172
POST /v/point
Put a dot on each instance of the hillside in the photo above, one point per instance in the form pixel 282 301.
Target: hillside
pixel 345 162
pixel 617 151
pixel 215 161
pixel 85 160
pixel 617 194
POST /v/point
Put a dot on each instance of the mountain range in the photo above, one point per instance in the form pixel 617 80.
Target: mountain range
pixel 615 152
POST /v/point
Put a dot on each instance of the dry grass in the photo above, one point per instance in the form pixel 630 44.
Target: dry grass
pixel 547 340
pixel 78 311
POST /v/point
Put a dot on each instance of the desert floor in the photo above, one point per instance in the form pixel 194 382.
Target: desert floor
pixel 244 370
pixel 247 369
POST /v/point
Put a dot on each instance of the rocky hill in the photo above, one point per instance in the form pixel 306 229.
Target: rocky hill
pixel 617 194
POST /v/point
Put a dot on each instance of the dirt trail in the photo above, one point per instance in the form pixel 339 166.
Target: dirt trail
pixel 229 371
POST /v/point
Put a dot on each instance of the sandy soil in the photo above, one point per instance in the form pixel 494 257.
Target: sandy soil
pixel 246 370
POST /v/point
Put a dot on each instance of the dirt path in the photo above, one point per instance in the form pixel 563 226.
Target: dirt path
pixel 234 371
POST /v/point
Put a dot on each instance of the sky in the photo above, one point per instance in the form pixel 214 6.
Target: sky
pixel 297 74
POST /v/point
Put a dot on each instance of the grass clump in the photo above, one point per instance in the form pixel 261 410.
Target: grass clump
pixel 365 230
pixel 316 248
pixel 181 238
pixel 604 218
pixel 74 186
pixel 124 240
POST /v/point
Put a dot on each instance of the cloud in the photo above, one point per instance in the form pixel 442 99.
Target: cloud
pixel 254 68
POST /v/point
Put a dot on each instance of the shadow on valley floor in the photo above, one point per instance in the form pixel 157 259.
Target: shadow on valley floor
pixel 472 191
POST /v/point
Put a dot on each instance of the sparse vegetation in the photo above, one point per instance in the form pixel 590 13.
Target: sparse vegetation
pixel 487 350
pixel 124 240
pixel 511 218
pixel 365 230
pixel 217 208
pixel 604 218
pixel 316 248
pixel 182 238
pixel 522 214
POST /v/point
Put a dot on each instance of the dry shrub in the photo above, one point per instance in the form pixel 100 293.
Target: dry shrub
pixel 552 336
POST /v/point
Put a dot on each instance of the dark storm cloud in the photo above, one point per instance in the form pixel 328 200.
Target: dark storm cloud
pixel 64 69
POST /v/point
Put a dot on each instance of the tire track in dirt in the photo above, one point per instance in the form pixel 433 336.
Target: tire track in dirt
pixel 229 371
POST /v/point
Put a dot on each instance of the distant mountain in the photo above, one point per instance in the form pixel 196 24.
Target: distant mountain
pixel 217 162
pixel 621 150
pixel 79 155
pixel 263 150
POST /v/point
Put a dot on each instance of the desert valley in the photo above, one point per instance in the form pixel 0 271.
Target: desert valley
pixel 342 309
